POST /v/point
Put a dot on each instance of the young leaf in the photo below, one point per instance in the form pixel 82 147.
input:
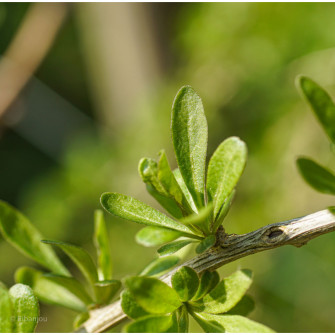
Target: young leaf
pixel 223 212
pixel 205 244
pixel 150 324
pixel 224 170
pixel 130 306
pixel 55 290
pixel 200 220
pixel 208 281
pixel 80 257
pixel 160 265
pixel 182 319
pixel 227 293
pixel 25 308
pixel 80 319
pixel 171 248
pixel 134 210
pixel 106 290
pixel 154 236
pixel 18 231
pixel 102 245
pixel 185 282
pixel 189 135
pixel 317 176
pixel 6 312
pixel 321 103
pixel 153 295
pixel 235 323
pixel 208 326
pixel 243 307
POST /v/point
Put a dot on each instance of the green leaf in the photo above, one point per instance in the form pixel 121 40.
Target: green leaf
pixel 173 247
pixel 208 281
pixel 224 170
pixel 321 103
pixel 160 265
pixel 153 295
pixel 182 319
pixel 154 236
pixel 6 312
pixel 102 245
pixel 317 176
pixel 80 257
pixel 56 290
pixel 227 293
pixel 18 231
pixel 185 282
pixel 243 307
pixel 80 319
pixel 25 308
pixel 235 324
pixel 201 219
pixel 150 324
pixel 205 244
pixel 223 212
pixel 106 290
pixel 209 326
pixel 134 210
pixel 130 306
pixel 189 135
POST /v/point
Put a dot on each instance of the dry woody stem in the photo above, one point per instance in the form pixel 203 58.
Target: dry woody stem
pixel 296 232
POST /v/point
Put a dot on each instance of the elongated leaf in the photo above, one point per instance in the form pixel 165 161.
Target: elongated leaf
pixel 25 308
pixel 154 236
pixel 317 176
pixel 131 307
pixel 208 281
pixel 160 265
pixel 153 295
pixel 80 257
pixel 134 210
pixel 209 326
pixel 243 307
pixel 150 324
pixel 321 103
pixel 236 323
pixel 55 290
pixel 102 245
pixel 201 220
pixel 6 312
pixel 224 170
pixel 185 282
pixel 223 212
pixel 18 231
pixel 205 244
pixel 189 135
pixel 227 293
pixel 171 248
pixel 80 319
pixel 182 319
pixel 106 290
pixel 169 182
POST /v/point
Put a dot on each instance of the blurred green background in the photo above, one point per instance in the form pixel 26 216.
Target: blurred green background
pixel 101 100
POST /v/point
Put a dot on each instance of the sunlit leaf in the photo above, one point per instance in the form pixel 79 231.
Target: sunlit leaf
pixel 224 170
pixel 209 326
pixel 223 211
pixel 182 319
pixel 25 308
pixel 205 244
pixel 200 220
pixel 18 231
pixel 153 295
pixel 208 281
pixel 189 135
pixel 154 236
pixel 106 290
pixel 130 306
pixel 173 247
pixel 6 311
pixel 150 324
pixel 317 176
pixel 185 282
pixel 160 265
pixel 80 319
pixel 101 242
pixel 321 103
pixel 134 210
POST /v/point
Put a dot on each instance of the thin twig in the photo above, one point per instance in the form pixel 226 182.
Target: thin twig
pixel 296 232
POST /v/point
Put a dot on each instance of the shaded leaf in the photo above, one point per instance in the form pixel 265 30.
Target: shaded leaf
pixel 209 326
pixel 150 324
pixel 208 281
pixel 189 135
pixel 6 312
pixel 321 103
pixel 25 308
pixel 18 231
pixel 223 212
pixel 317 176
pixel 134 210
pixel 154 236
pixel 227 293
pixel 224 170
pixel 173 247
pixel 243 307
pixel 101 242
pixel 160 265
pixel 205 244
pixel 130 306
pixel 153 295
pixel 80 319
pixel 185 282
pixel 55 290
pixel 201 219
pixel 182 319
pixel 106 290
